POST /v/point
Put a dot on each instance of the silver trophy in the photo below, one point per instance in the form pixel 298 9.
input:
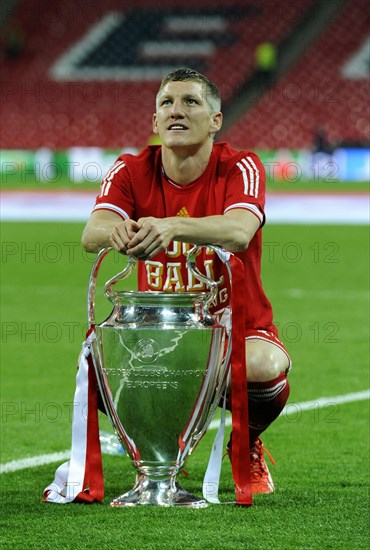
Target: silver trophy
pixel 161 368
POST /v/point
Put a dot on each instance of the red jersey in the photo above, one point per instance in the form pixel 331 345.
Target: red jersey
pixel 137 186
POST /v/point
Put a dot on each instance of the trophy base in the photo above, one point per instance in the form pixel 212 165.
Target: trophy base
pixel 153 492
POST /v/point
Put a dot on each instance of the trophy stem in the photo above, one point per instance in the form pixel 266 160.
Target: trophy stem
pixel 158 492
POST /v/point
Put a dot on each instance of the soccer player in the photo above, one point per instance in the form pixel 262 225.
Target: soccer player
pixel 190 190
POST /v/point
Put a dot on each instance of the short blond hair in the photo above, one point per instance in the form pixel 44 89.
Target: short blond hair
pixel 183 74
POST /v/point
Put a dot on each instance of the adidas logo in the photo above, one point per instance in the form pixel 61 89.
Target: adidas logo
pixel 183 213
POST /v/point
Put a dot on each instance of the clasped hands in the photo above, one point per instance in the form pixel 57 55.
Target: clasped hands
pixel 143 238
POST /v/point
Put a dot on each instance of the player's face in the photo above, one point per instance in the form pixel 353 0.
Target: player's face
pixel 183 117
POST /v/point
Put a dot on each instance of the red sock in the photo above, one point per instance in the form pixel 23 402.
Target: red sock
pixel 266 400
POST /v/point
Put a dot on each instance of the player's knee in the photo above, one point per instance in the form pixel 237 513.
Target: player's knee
pixel 265 365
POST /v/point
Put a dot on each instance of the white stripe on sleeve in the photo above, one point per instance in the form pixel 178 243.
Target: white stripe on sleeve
pixel 245 177
pixel 113 207
pixel 251 174
pixel 107 181
pixel 257 172
pixel 247 206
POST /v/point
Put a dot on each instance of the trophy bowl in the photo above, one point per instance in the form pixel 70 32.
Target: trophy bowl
pixel 159 360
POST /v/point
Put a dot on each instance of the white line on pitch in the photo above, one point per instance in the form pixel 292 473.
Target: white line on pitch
pixel 289 410
pixel 294 408
pixel 33 461
pixel 323 294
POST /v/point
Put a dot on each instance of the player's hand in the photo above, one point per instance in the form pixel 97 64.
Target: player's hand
pixel 153 237
pixel 122 235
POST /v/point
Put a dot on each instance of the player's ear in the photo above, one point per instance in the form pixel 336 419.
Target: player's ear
pixel 154 123
pixel 216 122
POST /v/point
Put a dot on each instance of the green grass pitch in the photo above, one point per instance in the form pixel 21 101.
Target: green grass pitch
pixel 317 280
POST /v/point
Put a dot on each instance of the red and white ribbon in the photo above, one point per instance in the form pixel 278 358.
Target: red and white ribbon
pixel 81 478
pixel 240 452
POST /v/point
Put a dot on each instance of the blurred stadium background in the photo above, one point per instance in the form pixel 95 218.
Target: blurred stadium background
pixel 78 82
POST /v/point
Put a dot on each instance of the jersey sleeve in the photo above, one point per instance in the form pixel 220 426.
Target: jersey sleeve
pixel 115 191
pixel 247 185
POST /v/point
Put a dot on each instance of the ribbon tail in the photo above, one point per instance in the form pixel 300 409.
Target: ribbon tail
pixel 240 449
pixel 211 481
pixel 81 478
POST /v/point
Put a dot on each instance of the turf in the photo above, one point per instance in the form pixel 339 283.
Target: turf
pixel 317 279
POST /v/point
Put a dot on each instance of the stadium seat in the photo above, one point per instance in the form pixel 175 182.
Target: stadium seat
pixel 47 106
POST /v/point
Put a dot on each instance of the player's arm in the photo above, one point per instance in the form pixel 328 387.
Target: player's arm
pixel 101 231
pixel 232 230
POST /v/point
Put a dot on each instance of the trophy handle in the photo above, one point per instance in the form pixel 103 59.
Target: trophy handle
pixel 213 286
pixel 108 285
pixel 191 263
pixel 121 275
pixel 224 257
